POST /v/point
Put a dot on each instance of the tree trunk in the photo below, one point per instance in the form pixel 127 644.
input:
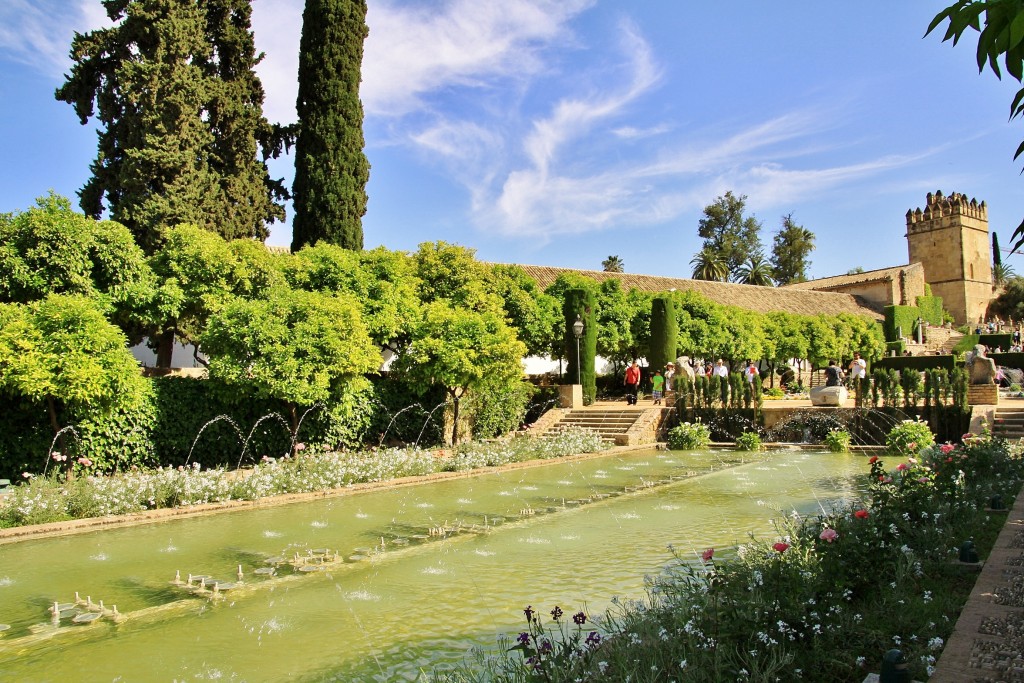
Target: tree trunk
pixel 165 349
pixel 455 416
pixel 51 408
pixel 294 411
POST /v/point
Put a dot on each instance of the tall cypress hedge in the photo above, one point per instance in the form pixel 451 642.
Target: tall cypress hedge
pixel 664 332
pixel 331 169
pixel 581 303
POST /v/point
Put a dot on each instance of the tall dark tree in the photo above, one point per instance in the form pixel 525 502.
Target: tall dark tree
pixel 180 111
pixel 791 249
pixel 727 233
pixel 331 169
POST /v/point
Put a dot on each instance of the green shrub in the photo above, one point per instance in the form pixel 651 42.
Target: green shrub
pixel 689 436
pixel 909 438
pixel 749 441
pixel 774 392
pixel 838 441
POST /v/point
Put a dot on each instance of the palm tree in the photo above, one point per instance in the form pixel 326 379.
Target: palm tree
pixel 754 271
pixel 612 264
pixel 1001 272
pixel 709 265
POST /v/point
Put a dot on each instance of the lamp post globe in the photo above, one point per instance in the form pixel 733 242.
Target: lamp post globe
pixel 577 329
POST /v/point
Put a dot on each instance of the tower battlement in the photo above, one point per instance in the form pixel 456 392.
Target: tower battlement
pixel 938 206
pixel 949 237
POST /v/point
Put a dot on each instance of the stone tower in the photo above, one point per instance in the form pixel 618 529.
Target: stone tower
pixel 949 237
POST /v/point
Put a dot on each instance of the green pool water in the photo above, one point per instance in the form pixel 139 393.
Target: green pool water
pixel 570 534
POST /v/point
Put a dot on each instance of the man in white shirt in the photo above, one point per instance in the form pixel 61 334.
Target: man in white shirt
pixel 858 367
pixel 720 369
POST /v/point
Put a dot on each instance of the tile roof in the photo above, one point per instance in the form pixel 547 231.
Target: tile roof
pixel 880 275
pixel 750 297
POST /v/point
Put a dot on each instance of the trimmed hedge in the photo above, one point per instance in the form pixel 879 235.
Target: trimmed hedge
pixel 898 346
pixel 996 341
pixel 946 362
pixel 899 317
pixel 1008 360
pixel 664 332
pixel 930 308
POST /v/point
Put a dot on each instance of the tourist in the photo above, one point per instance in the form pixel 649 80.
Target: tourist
pixel 632 382
pixel 670 372
pixel 858 368
pixel 833 375
pixel 720 369
pixel 751 372
pixel 657 384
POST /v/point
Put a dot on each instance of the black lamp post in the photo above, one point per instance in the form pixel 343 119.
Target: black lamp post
pixel 577 329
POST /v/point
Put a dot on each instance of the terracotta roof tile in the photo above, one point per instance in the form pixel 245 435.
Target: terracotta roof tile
pixel 750 297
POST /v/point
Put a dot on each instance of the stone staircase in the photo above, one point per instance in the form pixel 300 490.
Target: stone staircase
pixel 608 422
pixel 1009 422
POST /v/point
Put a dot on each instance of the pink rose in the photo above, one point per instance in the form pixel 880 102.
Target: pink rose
pixel 828 535
pixel 707 554
pixel 946 448
pixel 901 467
pixel 781 547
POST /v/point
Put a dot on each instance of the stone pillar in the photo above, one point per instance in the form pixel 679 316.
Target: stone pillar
pixel 570 396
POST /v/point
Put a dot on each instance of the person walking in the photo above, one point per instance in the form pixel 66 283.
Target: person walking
pixel 657 385
pixel 632 382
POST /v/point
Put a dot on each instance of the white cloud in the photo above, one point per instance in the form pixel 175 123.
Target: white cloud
pixel 413 52
pixel 39 32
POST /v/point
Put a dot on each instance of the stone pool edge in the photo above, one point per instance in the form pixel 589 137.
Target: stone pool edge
pixel 73 526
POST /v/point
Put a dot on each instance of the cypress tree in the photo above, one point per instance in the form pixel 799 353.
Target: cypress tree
pixel 330 168
pixel 664 332
pixel 582 304
pixel 180 111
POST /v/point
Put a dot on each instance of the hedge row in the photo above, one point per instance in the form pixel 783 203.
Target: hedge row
pixel 180 420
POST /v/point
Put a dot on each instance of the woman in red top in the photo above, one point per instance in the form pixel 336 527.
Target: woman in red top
pixel 632 382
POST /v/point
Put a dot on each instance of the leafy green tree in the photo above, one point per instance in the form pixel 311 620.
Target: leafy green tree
pixel 452 273
pixel 61 351
pixel 195 271
pixel 1001 36
pixel 727 233
pixel 617 326
pixel 294 346
pixel 530 311
pixel 1010 301
pixel 52 249
pixel 612 264
pixel 708 265
pixel 791 249
pixel 331 169
pixel 461 350
pixel 754 271
pixel 383 282
pixel 173 87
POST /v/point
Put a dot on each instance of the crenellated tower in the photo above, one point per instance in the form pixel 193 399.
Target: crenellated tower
pixel 949 237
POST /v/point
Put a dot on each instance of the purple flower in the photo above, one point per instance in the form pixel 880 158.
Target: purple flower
pixel 556 613
pixel 545 646
pixel 529 613
pixel 593 639
pixel 523 638
pixel 579 618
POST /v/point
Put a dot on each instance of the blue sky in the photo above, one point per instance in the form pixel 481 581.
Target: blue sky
pixel 559 132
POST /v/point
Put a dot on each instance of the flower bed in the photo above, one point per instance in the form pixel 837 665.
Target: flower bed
pixel 822 602
pixel 39 500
